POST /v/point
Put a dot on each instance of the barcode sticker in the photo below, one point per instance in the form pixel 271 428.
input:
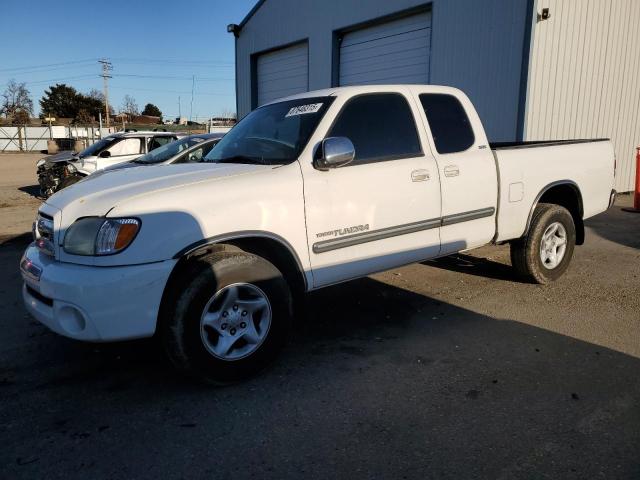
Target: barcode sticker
pixel 302 109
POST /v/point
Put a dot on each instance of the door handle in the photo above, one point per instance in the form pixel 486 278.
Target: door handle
pixel 420 175
pixel 451 171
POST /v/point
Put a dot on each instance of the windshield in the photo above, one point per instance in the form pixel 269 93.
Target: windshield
pixel 271 135
pixel 169 150
pixel 97 147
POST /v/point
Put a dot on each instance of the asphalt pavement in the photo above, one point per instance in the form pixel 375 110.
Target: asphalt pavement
pixel 446 369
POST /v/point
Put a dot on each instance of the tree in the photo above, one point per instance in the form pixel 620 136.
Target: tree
pixel 84 117
pixel 152 110
pixel 98 95
pixel 60 101
pixel 16 98
pixel 90 108
pixel 20 117
pixel 129 106
pixel 64 101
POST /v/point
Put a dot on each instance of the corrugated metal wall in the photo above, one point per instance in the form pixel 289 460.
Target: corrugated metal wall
pixel 584 76
pixel 475 45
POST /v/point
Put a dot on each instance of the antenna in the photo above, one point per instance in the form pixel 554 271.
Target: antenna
pixel 106 68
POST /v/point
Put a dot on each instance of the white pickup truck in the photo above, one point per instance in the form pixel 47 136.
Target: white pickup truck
pixel 305 192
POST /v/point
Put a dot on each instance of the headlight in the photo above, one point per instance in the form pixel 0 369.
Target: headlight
pixel 100 236
pixel 71 168
pixel 41 162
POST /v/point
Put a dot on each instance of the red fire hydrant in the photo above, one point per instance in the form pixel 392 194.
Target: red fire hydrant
pixel 636 193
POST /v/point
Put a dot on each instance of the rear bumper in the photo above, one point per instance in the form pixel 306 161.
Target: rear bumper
pixel 89 303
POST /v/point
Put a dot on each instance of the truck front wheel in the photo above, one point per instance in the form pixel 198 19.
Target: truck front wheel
pixel 230 318
pixel 545 252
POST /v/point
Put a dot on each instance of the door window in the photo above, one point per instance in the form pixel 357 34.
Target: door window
pixel 126 146
pixel 380 126
pixel 155 142
pixel 449 123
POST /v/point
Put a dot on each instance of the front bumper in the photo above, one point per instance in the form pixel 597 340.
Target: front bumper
pixel 90 303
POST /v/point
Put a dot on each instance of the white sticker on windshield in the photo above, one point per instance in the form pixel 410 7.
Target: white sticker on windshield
pixel 302 109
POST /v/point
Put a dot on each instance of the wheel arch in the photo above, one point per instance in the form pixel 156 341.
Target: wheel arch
pixel 564 193
pixel 267 245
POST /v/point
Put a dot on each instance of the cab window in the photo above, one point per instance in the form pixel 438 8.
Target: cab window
pixel 380 126
pixel 449 123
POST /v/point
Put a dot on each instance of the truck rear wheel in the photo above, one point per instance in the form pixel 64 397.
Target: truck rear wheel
pixel 545 252
pixel 230 317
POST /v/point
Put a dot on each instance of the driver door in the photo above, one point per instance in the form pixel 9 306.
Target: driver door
pixel 382 210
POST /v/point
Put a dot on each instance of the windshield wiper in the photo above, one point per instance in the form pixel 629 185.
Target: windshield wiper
pixel 240 159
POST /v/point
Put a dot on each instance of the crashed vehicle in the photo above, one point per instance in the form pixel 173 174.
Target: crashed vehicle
pixel 56 172
pixel 189 149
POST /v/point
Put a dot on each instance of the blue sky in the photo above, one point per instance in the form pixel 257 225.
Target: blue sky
pixel 155 48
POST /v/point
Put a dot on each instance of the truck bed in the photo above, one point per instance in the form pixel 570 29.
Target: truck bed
pixel 527 169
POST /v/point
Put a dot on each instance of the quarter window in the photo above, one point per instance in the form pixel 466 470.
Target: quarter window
pixel 450 126
pixel 381 127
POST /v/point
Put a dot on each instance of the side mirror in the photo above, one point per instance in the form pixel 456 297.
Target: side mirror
pixel 335 152
pixel 105 154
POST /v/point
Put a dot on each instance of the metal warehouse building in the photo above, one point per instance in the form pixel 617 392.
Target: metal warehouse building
pixel 535 69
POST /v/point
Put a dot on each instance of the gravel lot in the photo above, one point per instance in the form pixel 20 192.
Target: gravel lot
pixel 448 369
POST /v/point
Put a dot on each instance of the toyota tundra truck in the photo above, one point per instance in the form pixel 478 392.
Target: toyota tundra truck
pixel 304 192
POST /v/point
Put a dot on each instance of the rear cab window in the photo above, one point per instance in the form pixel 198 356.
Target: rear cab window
pixel 381 127
pixel 450 126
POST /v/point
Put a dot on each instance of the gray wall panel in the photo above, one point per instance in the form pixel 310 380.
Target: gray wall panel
pixel 475 45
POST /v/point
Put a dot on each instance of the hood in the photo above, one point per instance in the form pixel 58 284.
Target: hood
pixel 63 156
pixel 120 166
pixel 100 192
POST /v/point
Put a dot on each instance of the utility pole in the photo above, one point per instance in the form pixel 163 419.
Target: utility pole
pixel 193 84
pixel 106 68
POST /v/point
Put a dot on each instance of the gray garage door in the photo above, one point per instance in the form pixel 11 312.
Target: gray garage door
pixel 282 72
pixel 393 52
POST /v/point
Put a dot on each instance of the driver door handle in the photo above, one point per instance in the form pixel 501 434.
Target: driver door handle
pixel 451 171
pixel 420 175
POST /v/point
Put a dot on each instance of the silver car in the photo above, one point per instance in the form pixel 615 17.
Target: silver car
pixel 192 148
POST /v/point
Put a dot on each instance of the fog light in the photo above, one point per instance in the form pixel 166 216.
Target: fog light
pixel 71 319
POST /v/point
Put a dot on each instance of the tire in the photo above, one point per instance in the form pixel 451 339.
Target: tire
pixel 530 262
pixel 208 282
pixel 70 180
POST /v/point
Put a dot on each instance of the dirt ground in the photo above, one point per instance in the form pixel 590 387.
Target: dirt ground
pixel 446 369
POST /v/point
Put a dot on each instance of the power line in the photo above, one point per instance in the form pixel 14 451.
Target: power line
pixel 148 61
pixel 51 80
pixel 13 69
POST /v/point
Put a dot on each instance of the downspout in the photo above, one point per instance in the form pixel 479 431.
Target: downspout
pixel 525 69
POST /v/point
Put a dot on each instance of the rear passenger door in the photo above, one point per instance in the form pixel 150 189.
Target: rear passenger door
pixel 383 209
pixel 467 170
